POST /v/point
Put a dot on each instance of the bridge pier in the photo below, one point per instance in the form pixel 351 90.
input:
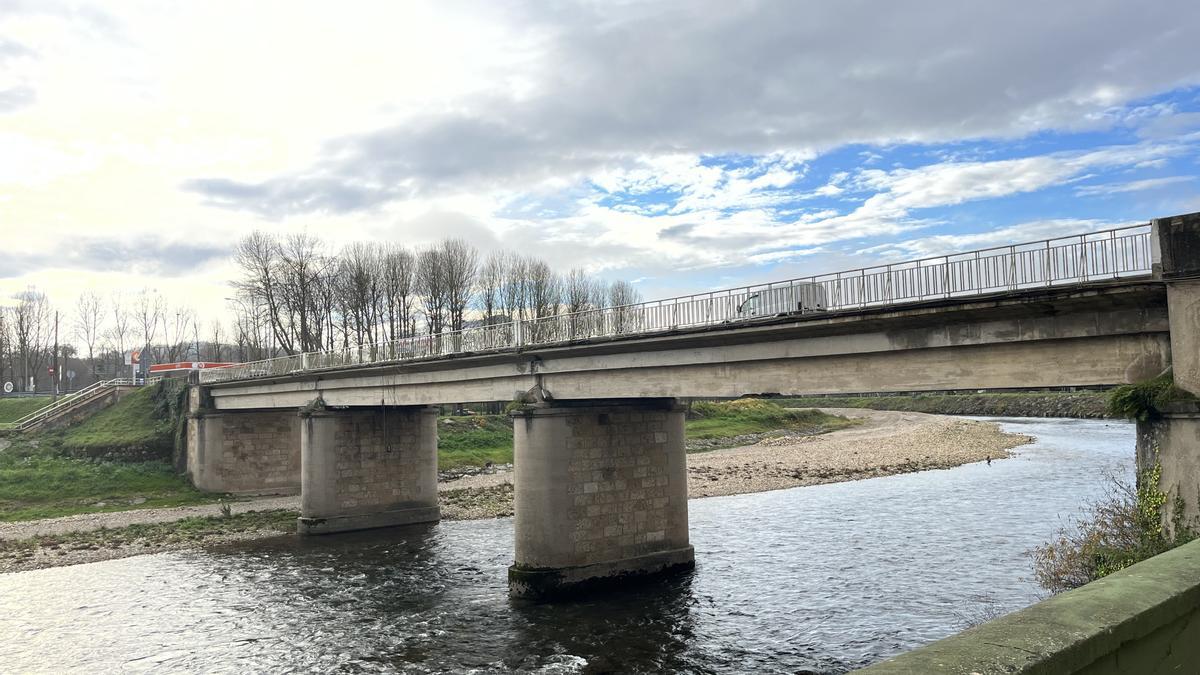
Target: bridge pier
pixel 601 494
pixel 1170 443
pixel 254 452
pixel 363 468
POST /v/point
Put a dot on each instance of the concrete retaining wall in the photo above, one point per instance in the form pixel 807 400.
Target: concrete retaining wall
pixel 1143 620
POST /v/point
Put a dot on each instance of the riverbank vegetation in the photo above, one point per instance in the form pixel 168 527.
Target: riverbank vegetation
pixel 1076 404
pixel 732 420
pixel 1123 528
pixel 474 440
pixel 1145 400
pixel 117 459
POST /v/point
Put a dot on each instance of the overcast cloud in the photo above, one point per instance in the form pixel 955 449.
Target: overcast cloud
pixel 686 144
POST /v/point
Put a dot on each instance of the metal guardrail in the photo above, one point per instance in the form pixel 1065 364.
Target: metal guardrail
pixel 69 401
pixel 1109 254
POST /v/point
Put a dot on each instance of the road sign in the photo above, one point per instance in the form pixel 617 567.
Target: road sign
pixel 70 374
pixel 50 370
pixel 8 387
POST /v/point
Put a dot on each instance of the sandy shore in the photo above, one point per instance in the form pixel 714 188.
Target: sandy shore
pixel 884 443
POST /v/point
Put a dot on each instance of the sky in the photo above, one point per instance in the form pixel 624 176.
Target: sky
pixel 686 146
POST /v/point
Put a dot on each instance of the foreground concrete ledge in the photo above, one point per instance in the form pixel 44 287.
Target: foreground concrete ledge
pixel 368 521
pixel 544 584
pixel 1144 620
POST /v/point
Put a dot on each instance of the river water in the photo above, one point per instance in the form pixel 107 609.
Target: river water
pixel 821 579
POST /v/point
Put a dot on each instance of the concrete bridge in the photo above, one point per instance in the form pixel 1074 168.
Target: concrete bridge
pixel 601 483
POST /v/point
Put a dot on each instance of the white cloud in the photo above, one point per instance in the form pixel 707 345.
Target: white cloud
pixel 1131 186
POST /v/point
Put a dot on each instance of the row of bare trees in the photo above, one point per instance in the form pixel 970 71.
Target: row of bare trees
pixel 296 295
pixel 96 334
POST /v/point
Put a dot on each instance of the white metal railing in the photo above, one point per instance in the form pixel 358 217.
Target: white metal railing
pixel 71 400
pixel 1110 254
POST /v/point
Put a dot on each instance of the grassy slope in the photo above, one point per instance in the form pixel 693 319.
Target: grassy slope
pixel 132 422
pixel 750 416
pixel 16 407
pixel 38 478
pixel 474 441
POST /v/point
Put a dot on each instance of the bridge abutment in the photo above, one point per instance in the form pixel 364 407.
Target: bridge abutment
pixel 367 467
pixel 601 495
pixel 1168 446
pixel 254 452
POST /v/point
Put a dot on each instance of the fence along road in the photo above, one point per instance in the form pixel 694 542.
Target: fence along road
pixel 1108 254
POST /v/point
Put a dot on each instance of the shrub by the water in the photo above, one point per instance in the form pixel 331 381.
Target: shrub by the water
pixel 1123 528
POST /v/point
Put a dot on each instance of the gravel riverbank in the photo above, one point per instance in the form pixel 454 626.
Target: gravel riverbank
pixel 884 443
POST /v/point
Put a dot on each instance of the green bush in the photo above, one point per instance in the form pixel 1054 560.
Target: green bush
pixel 1144 400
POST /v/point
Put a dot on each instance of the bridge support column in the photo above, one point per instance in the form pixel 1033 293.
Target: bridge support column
pixel 244 452
pixel 601 495
pixel 1169 445
pixel 367 468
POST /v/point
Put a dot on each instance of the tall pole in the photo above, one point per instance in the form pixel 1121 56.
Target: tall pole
pixel 55 375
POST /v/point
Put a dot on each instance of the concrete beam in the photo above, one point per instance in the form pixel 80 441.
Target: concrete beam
pixel 1097 336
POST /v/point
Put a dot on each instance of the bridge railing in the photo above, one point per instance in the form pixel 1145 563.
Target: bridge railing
pixel 1110 254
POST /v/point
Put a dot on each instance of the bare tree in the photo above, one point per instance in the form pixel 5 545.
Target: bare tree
pixel 461 263
pixel 89 319
pixel 513 287
pixel 179 334
pixel 399 271
pixel 31 330
pixel 6 345
pixel 491 281
pixel 431 286
pixel 148 314
pixel 119 329
pixel 621 294
pixel 357 286
pixel 216 336
pixel 258 256
pixel 545 289
pixel 302 266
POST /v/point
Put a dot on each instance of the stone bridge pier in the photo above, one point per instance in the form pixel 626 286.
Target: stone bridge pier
pixel 601 494
pixel 252 452
pixel 367 467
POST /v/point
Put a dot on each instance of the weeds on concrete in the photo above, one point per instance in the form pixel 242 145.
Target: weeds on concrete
pixel 1143 401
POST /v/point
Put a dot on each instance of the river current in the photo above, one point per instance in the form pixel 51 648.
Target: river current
pixel 822 579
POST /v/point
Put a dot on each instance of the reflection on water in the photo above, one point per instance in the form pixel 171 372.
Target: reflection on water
pixel 824 578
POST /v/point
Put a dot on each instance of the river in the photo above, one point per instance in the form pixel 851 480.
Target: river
pixel 821 579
